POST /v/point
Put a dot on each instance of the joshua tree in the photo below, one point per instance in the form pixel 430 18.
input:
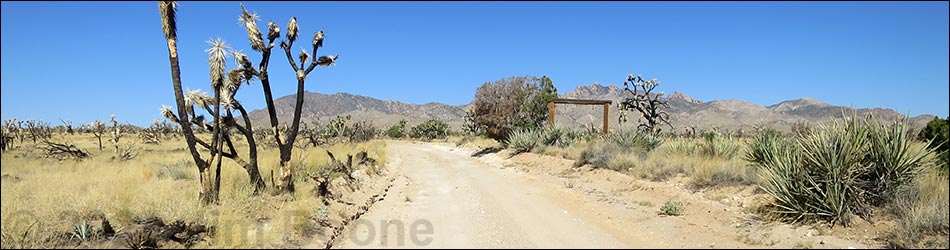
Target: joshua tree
pixel 68 125
pixel 97 128
pixel 647 103
pixel 285 141
pixel 220 105
pixel 116 133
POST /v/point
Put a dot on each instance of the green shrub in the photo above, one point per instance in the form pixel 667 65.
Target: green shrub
pixel 398 130
pixel 362 131
pixel 503 106
pixel 431 129
pixel 598 155
pixel 937 132
pixel 673 208
pixel 523 140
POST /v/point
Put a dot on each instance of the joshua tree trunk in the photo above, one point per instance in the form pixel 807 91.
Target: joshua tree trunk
pixel 167 10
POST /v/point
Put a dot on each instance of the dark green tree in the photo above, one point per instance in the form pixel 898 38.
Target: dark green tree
pixel 938 130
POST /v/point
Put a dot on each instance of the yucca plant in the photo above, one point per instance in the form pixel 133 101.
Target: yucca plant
pixel 893 160
pixel 557 135
pixel 716 145
pixel 766 145
pixel 841 170
pixel 523 140
pixel 82 231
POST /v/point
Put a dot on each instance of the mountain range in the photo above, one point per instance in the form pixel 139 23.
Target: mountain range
pixel 685 111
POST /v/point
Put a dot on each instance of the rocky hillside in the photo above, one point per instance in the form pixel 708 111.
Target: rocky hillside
pixel 383 113
pixel 685 111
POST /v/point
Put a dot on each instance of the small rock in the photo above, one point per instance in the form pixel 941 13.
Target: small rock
pixel 821 242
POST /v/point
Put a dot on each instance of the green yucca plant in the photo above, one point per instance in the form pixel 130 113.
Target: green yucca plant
pixel 834 172
pixel 893 160
pixel 82 231
pixel 558 135
pixel 717 146
pixel 634 139
pixel 523 140
pixel 766 145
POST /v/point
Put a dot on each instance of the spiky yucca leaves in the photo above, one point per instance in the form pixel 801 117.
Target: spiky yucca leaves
pixel 273 31
pixel 558 135
pixel 303 56
pixel 327 61
pixel 167 10
pixel 893 160
pixel 216 58
pixel 292 29
pixel 843 169
pixel 249 21
pixel 629 139
pixel 766 145
pixel 523 140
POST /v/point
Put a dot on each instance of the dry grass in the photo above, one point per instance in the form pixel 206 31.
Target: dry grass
pixel 42 197
pixel 925 218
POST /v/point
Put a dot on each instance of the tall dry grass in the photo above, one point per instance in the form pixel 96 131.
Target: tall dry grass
pixel 42 197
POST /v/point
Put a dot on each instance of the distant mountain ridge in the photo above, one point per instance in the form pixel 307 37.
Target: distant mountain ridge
pixel 684 110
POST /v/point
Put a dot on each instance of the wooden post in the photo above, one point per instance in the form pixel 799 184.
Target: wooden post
pixel 606 110
pixel 551 112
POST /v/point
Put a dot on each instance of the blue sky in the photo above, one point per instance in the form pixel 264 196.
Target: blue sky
pixel 82 61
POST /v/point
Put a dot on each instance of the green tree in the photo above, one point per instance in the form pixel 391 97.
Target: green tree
pixel 502 106
pixel 398 130
pixel 938 130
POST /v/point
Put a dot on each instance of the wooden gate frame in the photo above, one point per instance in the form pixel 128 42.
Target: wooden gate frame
pixel 606 104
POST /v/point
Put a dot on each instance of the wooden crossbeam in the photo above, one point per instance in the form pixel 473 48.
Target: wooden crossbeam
pixel 606 103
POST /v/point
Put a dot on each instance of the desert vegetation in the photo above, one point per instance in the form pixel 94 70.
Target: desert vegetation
pixel 207 177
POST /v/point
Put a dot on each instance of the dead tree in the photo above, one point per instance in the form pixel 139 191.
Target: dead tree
pixel 97 128
pixel 62 150
pixel 39 130
pixel 285 141
pixel 644 101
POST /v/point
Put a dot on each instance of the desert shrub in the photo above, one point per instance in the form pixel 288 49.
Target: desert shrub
pixel 721 172
pixel 502 106
pixel 715 145
pixel 842 170
pixel 362 131
pixel 398 130
pixel 924 215
pixel 629 139
pixel 681 147
pixel 524 140
pixel 431 129
pixel 673 208
pixel 937 132
pixel 766 145
pixel 598 155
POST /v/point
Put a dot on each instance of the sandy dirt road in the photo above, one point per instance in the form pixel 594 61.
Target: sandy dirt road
pixel 442 197
pixel 465 203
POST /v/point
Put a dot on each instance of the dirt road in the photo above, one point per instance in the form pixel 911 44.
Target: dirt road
pixel 444 198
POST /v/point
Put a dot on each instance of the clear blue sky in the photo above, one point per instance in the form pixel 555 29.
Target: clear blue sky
pixel 86 60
